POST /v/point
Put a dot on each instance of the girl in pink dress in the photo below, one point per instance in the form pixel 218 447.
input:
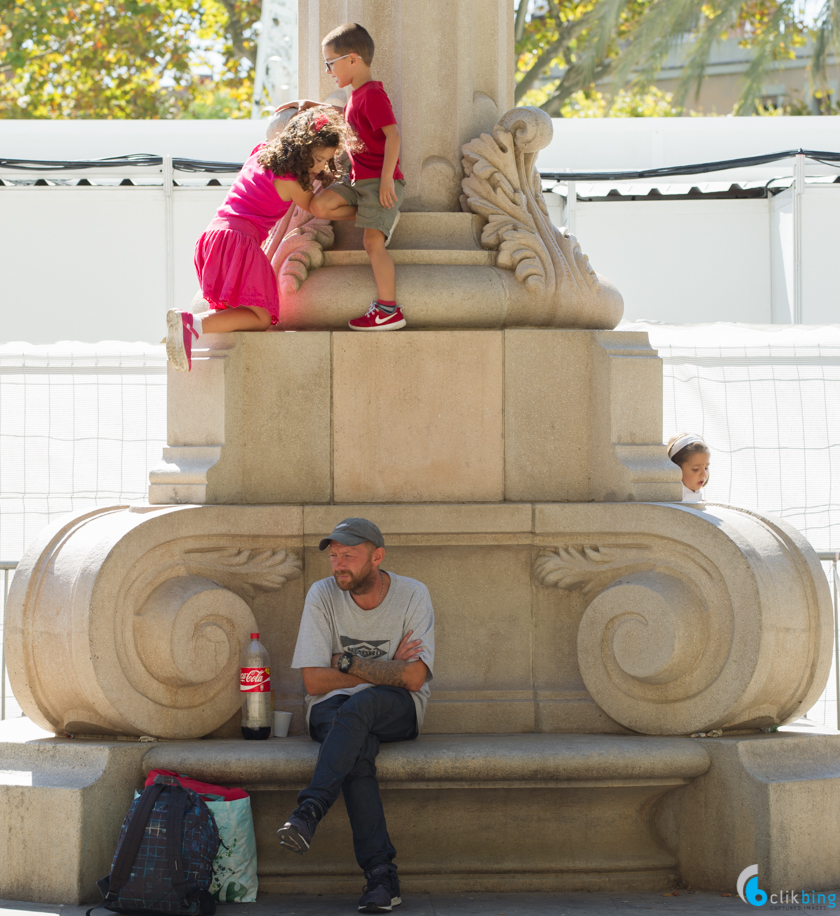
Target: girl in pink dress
pixel 236 277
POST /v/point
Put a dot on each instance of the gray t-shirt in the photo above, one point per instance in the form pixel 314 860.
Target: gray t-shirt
pixel 332 623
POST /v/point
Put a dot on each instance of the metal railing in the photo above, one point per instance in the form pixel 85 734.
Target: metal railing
pixel 8 568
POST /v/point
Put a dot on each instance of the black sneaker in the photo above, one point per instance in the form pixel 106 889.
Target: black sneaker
pixel 382 892
pixel 296 833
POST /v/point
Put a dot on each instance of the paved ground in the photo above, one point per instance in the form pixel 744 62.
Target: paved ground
pixel 688 903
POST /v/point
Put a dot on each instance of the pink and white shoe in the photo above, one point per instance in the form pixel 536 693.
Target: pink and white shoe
pixel 179 339
pixel 374 319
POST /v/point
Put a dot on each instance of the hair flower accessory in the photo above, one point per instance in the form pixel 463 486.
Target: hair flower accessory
pixel 320 121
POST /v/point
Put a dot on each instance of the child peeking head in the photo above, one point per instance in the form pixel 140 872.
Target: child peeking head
pixel 692 456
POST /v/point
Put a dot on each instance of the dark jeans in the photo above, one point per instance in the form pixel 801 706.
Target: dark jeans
pixel 350 730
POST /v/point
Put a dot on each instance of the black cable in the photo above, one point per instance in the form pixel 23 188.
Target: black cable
pixel 834 165
pixel 52 165
pixel 134 159
pixel 696 169
pixel 199 165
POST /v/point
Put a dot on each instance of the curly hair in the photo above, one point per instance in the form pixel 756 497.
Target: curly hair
pixel 291 153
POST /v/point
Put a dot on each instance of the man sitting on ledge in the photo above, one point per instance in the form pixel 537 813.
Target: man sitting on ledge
pixel 365 649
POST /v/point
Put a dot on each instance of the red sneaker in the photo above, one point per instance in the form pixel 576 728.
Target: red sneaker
pixel 374 319
pixel 179 338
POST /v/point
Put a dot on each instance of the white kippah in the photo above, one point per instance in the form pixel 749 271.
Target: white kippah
pixel 682 442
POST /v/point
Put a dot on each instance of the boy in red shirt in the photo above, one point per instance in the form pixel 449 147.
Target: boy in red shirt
pixel 374 190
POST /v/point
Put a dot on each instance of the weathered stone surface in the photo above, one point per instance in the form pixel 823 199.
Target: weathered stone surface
pixel 582 797
pixel 472 86
pixel 237 411
pixel 61 806
pixel 548 415
pixel 427 523
pixel 420 231
pixel 451 761
pixel 550 281
pixel 510 267
pixel 657 618
pixel 689 614
pixel 768 799
pixel 436 292
pixel 450 416
pixel 418 417
pixel 597 812
pixel 132 621
pixel 626 396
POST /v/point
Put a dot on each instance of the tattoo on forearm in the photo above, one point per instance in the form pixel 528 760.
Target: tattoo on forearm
pixel 388 674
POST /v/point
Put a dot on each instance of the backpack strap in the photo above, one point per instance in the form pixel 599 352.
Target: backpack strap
pixel 131 841
pixel 179 800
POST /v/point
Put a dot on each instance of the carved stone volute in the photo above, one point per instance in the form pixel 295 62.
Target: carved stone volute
pixel 141 633
pixel 554 281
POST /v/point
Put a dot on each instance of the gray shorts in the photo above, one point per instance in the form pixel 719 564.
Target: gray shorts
pixel 364 195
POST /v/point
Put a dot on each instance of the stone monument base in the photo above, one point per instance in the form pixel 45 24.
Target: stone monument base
pixel 488 813
pixel 421 416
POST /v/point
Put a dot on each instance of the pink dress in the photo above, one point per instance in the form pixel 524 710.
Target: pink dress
pixel 231 265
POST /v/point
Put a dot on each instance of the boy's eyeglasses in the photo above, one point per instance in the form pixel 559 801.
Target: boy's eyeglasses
pixel 329 63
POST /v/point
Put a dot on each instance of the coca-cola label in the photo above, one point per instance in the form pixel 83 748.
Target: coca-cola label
pixel 255 680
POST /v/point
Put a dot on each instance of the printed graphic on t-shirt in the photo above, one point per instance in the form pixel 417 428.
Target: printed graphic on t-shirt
pixel 365 648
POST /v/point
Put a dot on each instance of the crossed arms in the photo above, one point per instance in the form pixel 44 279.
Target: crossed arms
pixel 405 670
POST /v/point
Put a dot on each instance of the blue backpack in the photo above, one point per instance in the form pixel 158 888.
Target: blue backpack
pixel 164 857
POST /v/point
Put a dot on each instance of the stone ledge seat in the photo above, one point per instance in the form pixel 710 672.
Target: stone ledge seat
pixel 449 761
pixel 481 812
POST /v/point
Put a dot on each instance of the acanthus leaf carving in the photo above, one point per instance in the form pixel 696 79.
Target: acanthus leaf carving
pixel 588 567
pixel 502 185
pixel 492 190
pixel 244 570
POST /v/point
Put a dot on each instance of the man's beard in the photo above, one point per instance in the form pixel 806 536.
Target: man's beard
pixel 354 582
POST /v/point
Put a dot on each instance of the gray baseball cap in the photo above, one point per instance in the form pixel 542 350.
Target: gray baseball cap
pixel 353 531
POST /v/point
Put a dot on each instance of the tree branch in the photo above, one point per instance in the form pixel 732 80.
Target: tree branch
pixel 566 34
pixel 574 80
pixel 236 34
pixel 543 61
pixel 5 68
pixel 519 22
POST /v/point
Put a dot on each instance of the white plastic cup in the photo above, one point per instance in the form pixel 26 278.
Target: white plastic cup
pixel 282 720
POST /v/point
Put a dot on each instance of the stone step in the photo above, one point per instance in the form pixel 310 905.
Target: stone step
pixel 414 256
pixel 421 231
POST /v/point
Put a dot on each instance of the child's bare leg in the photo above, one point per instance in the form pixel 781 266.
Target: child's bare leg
pixel 383 267
pixel 244 318
pixel 332 206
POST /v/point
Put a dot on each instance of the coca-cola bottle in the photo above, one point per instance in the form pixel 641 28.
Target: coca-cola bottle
pixel 255 687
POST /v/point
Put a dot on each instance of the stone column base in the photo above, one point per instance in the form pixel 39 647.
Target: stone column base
pixel 489 813
pixel 421 416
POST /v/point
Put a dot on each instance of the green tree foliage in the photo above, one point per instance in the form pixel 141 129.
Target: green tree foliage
pixel 624 43
pixel 654 103
pixel 126 58
pixel 582 39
